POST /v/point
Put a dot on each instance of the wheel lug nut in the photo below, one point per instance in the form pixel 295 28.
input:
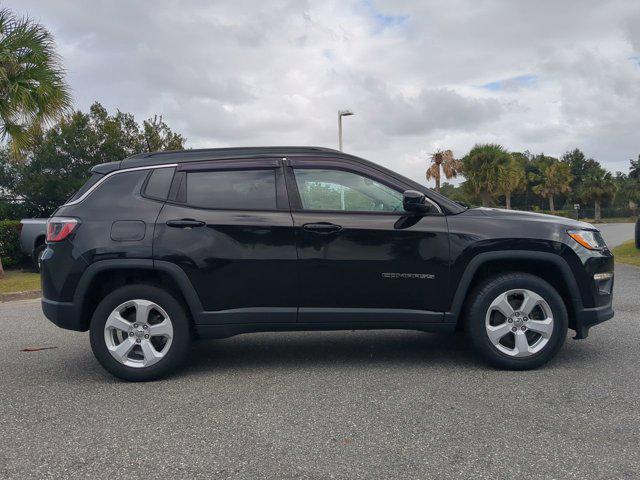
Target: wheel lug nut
pixel 145 326
pixel 135 325
pixel 137 340
pixel 146 336
pixel 524 328
pixel 131 334
pixel 513 329
pixel 510 320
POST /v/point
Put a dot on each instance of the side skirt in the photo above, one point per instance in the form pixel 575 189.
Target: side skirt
pixel 229 330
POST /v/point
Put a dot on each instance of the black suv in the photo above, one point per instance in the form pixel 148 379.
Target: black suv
pixel 161 248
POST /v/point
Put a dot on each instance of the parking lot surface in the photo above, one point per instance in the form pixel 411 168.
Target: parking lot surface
pixel 347 405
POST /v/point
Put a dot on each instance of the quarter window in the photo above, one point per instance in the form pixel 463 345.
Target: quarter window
pixel 238 189
pixel 345 191
pixel 159 183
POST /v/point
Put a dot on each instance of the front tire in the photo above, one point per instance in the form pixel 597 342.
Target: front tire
pixel 140 333
pixel 516 321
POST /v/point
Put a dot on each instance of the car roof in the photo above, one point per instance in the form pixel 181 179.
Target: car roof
pixel 209 154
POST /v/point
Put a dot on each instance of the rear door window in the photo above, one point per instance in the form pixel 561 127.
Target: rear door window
pixel 231 189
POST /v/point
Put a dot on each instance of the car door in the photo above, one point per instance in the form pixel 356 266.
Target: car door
pixel 228 226
pixel 362 257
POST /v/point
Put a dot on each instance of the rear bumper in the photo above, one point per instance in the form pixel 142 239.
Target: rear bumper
pixel 64 315
pixel 588 317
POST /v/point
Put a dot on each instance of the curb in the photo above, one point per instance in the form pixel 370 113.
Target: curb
pixel 26 295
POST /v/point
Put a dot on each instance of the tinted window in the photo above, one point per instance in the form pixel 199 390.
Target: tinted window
pixel 159 183
pixel 88 184
pixel 241 189
pixel 345 191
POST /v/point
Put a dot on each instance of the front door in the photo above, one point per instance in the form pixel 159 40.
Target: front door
pixel 362 257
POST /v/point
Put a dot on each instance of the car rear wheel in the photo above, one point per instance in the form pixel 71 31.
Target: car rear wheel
pixel 140 333
pixel 37 256
pixel 516 321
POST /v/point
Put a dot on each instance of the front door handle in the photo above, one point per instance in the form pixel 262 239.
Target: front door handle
pixel 323 228
pixel 185 223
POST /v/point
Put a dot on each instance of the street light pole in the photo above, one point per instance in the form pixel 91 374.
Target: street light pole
pixel 341 113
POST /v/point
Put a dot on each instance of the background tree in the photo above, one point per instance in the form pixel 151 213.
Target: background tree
pixel 627 192
pixel 480 168
pixel 158 135
pixel 61 159
pixel 634 170
pixel 579 165
pixel 597 187
pixel 552 178
pixel 443 161
pixel 33 92
pixel 511 178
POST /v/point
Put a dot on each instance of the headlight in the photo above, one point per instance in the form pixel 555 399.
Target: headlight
pixel 589 239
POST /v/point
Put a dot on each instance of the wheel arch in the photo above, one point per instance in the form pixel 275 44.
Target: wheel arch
pixel 104 276
pixel 552 268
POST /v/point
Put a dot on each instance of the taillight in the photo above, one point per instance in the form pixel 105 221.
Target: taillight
pixel 59 228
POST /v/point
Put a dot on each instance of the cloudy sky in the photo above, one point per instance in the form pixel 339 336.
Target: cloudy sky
pixel 541 75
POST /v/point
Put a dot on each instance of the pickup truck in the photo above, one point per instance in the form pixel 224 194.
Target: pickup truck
pixel 32 238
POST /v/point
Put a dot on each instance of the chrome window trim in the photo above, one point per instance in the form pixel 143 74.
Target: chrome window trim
pixel 109 175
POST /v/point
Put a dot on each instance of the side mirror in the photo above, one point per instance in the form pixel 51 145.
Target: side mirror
pixel 416 202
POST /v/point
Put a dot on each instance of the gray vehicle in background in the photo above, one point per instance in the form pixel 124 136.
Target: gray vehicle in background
pixel 32 238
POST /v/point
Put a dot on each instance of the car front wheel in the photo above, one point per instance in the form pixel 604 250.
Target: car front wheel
pixel 140 333
pixel 516 321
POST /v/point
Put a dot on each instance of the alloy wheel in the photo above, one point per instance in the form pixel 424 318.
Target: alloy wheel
pixel 519 323
pixel 138 333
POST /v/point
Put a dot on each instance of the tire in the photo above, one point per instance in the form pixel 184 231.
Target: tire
pixel 37 255
pixel 168 343
pixel 544 328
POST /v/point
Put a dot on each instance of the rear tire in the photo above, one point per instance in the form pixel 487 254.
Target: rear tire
pixel 140 333
pixel 37 256
pixel 516 321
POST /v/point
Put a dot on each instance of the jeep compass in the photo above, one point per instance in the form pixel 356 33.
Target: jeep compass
pixel 162 248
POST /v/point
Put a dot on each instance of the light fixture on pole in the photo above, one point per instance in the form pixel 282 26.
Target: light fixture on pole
pixel 341 113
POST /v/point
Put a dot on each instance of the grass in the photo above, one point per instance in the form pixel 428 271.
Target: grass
pixel 627 253
pixel 19 281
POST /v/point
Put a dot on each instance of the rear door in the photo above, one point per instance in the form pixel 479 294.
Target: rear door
pixel 227 224
pixel 362 257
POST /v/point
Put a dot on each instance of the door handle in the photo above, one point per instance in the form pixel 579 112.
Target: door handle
pixel 323 228
pixel 185 223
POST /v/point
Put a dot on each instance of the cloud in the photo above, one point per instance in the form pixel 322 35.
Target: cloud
pixel 544 76
pixel 513 83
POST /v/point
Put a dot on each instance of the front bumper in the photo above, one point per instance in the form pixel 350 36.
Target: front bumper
pixel 588 317
pixel 64 315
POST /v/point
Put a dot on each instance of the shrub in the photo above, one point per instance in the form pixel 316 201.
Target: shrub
pixel 10 252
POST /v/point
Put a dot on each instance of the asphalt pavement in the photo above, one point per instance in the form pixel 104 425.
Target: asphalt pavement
pixel 616 233
pixel 344 405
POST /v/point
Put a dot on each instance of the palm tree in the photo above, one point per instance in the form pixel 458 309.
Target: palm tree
pixel 481 166
pixel 33 92
pixel 597 187
pixel 443 160
pixel 32 88
pixel 554 178
pixel 511 178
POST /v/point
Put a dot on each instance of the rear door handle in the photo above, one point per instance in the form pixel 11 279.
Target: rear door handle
pixel 323 228
pixel 185 223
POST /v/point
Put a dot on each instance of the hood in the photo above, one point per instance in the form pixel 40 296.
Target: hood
pixel 532 216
